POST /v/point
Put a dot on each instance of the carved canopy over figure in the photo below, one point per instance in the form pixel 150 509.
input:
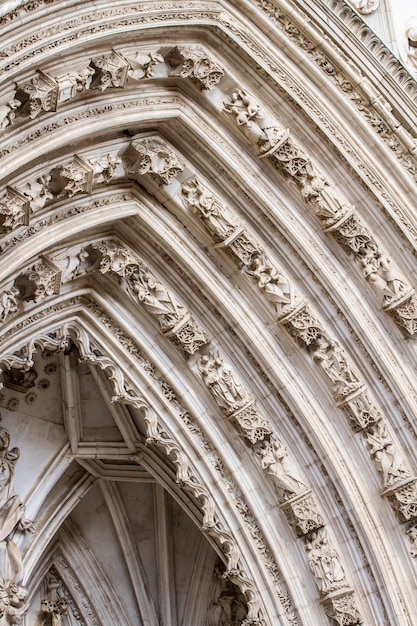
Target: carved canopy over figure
pixel 250 116
pixel 226 389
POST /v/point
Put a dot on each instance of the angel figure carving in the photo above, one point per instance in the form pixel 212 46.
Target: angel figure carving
pixel 283 471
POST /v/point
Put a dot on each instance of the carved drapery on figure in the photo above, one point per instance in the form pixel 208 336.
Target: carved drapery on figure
pixel 13 597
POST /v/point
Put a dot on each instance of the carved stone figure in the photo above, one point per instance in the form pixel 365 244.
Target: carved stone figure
pixel 153 156
pixel 325 563
pixel 282 469
pixel 227 390
pixel 157 298
pixel 53 607
pixel 8 113
pixel 252 120
pixel 218 219
pixel 8 302
pixel 143 65
pixel 20 379
pixel 228 607
pixel 270 280
pixel 12 516
pixel 105 168
pixel 194 62
pixel 314 188
pixel 388 458
pixel 38 192
pixel 333 362
pixel 383 277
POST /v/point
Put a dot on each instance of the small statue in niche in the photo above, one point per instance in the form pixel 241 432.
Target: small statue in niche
pixel 282 469
pixel 270 280
pixel 325 563
pixel 228 606
pixel 202 202
pixel 388 458
pixel 383 277
pixel 227 390
pixel 251 118
pixel 332 360
pixel 156 297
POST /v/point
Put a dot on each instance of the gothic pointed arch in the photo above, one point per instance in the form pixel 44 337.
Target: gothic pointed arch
pixel 208 315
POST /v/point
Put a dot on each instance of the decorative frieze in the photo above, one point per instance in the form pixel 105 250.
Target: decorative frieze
pixel 154 157
pixel 40 94
pixel 14 210
pixel 194 62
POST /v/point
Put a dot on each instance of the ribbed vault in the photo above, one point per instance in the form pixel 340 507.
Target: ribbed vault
pixel 208 314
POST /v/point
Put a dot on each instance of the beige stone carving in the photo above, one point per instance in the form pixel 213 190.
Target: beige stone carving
pixel 8 302
pixel 75 176
pixel 332 360
pixel 73 83
pixel 8 113
pixel 303 513
pixel 261 132
pixel 388 457
pixel 325 563
pixel 227 390
pixel 365 7
pixel 194 62
pixel 154 157
pixel 110 70
pixel 343 609
pixel 411 35
pixel 273 283
pixel 218 219
pixel 14 210
pixel 40 94
pixel 143 65
pixel 105 168
pixel 38 192
pixel 13 598
pixel 281 468
pixel 41 280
